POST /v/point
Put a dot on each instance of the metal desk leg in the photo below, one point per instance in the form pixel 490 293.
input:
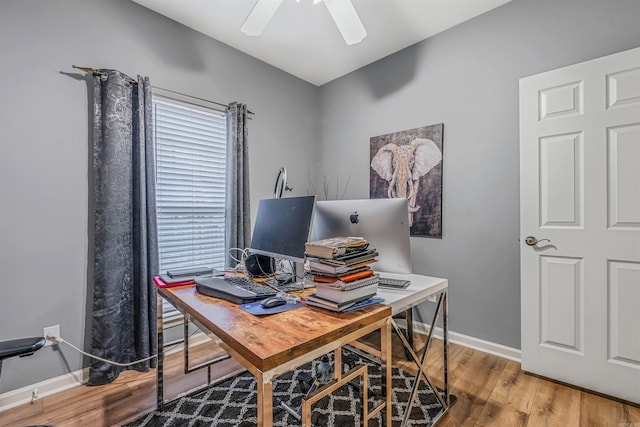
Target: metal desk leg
pixel 160 368
pixel 445 349
pixel 421 374
pixel 385 369
pixel 409 315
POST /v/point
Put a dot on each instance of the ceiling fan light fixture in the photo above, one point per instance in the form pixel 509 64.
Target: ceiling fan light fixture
pixel 259 17
pixel 347 21
pixel 342 11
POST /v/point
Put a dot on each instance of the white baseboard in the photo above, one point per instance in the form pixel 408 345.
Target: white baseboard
pixel 44 388
pixel 51 386
pixel 23 395
pixel 474 343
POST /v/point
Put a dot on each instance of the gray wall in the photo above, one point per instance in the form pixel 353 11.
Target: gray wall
pixel 44 235
pixel 467 78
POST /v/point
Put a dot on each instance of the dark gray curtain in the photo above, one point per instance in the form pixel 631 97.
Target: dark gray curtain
pixel 126 258
pixel 238 208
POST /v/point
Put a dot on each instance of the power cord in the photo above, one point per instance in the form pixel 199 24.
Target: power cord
pixel 57 340
pixel 240 262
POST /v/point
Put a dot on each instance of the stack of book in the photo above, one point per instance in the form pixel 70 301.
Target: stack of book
pixel 340 268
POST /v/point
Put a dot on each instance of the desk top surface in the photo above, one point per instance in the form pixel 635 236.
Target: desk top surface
pixel 269 341
pixel 420 289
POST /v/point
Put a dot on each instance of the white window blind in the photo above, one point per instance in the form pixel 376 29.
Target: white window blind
pixel 191 144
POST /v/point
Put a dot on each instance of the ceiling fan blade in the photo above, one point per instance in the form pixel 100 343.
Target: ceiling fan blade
pixel 347 20
pixel 259 17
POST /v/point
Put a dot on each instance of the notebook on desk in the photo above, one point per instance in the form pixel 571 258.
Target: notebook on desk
pixel 161 283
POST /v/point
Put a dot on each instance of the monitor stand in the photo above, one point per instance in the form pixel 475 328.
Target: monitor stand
pixel 297 279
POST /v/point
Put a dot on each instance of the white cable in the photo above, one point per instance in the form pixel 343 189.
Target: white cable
pixel 58 340
pixel 240 262
pixel 242 251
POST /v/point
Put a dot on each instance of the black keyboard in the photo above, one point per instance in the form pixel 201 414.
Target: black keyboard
pixel 387 282
pixel 239 290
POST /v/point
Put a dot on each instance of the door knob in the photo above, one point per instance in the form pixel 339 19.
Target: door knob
pixel 532 241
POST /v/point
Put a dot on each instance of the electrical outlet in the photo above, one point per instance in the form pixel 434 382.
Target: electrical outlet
pixel 50 331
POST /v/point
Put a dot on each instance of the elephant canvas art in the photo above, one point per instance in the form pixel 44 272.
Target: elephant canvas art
pixel 408 164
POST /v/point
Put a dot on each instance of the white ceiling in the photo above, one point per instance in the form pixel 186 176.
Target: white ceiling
pixel 303 40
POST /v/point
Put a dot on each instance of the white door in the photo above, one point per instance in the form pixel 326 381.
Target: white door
pixel 580 189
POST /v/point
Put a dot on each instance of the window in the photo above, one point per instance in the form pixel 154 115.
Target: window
pixel 191 146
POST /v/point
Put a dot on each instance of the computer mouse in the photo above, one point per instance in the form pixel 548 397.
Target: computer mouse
pixel 273 302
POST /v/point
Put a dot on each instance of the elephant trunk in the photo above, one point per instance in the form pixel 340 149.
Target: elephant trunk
pixel 410 192
pixel 391 190
pixel 402 180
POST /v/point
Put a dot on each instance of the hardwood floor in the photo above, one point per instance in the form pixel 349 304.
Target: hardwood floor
pixel 127 398
pixel 491 391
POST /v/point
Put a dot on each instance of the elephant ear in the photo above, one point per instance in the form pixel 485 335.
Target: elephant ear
pixel 382 162
pixel 427 155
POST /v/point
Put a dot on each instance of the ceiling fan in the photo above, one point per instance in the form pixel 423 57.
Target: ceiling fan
pixel 342 12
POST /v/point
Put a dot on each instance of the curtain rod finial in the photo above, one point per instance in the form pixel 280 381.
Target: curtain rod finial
pixel 85 69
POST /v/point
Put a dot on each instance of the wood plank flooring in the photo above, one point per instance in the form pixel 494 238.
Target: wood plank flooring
pixel 491 391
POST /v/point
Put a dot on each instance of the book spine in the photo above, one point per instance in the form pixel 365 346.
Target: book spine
pixel 346 286
pixel 322 305
pixel 340 295
pixel 317 301
pixel 352 277
pixel 324 268
pixel 334 246
pixel 324 279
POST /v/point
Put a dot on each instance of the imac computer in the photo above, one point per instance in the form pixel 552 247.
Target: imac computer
pixel 384 223
pixel 282 228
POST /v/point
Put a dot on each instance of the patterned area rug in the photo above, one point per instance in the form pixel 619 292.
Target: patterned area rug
pixel 232 403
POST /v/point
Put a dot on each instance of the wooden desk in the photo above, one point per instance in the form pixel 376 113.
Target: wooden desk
pixel 269 346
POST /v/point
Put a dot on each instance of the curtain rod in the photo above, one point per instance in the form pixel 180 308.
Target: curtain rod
pixel 89 70
pixel 195 97
pixel 94 72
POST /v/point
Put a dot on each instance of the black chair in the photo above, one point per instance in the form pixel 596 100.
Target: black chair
pixel 21 347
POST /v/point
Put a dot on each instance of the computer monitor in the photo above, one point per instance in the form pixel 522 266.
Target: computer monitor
pixel 384 223
pixel 282 228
